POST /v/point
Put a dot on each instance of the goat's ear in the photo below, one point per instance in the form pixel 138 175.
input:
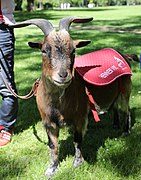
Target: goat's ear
pixel 35 44
pixel 81 43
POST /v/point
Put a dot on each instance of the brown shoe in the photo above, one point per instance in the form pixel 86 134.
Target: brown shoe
pixel 5 137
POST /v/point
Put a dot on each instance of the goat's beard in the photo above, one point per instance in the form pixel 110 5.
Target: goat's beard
pixel 61 82
pixel 52 83
pixel 62 85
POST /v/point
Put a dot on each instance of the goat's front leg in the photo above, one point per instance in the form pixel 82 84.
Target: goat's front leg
pixel 77 144
pixel 53 134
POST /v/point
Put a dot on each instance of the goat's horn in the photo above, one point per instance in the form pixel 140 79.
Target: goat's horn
pixel 66 22
pixel 43 24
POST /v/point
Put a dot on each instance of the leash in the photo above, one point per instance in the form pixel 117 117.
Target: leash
pixel 32 92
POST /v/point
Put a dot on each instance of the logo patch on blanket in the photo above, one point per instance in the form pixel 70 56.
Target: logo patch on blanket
pixel 102 67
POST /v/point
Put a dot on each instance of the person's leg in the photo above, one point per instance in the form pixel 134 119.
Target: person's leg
pixel 9 104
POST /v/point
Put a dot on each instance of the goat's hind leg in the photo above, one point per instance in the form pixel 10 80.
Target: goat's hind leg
pixel 123 115
pixel 116 121
pixel 122 118
pixel 53 145
pixel 125 96
pixel 121 105
pixel 127 123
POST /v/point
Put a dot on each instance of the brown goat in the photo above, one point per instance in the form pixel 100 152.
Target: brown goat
pixel 61 96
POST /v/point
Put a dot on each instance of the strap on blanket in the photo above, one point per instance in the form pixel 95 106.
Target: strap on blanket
pixel 92 105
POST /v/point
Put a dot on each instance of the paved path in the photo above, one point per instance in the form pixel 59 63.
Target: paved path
pixel 110 29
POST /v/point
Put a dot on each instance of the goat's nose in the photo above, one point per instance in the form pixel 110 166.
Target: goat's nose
pixel 63 74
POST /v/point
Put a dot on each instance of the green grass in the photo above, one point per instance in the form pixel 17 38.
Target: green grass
pixel 108 155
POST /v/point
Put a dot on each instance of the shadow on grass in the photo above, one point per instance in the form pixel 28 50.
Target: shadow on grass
pixel 95 138
pixel 22 15
pixel 87 9
pixel 52 14
pixel 129 158
pixel 11 172
pixel 97 134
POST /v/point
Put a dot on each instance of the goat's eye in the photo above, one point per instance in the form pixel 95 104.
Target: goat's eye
pixel 44 52
pixel 73 52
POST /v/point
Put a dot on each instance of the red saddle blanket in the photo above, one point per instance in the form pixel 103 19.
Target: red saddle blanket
pixel 101 67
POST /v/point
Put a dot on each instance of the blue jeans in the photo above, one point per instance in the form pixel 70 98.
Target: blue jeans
pixel 9 104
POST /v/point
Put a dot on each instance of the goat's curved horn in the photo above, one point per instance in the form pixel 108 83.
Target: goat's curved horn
pixel 43 24
pixel 66 22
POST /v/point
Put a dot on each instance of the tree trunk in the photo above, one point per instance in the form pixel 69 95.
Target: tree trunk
pixel 18 5
pixel 30 4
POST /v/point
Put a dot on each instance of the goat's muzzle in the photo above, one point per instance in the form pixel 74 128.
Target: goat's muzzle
pixel 62 79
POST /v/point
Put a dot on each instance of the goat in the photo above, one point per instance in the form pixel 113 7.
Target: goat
pixel 62 94
pixel 61 97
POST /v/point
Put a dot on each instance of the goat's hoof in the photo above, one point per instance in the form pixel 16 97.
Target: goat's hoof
pixel 51 171
pixel 78 161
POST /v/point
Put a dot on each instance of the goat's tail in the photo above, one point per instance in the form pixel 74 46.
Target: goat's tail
pixel 132 57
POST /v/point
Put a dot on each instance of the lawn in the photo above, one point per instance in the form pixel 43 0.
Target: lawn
pixel 108 154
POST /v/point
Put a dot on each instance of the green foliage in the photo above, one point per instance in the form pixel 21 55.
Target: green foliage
pixel 77 3
pixel 108 155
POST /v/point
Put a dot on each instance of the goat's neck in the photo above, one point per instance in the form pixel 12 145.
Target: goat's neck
pixel 55 93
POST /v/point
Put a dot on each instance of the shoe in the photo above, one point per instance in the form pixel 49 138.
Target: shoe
pixel 5 137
